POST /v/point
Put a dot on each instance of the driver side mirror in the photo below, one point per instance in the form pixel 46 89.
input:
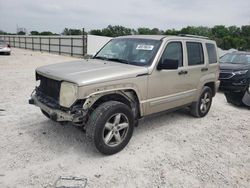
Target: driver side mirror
pixel 168 64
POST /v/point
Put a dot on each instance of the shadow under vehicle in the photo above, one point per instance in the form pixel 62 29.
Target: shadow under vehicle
pixel 235 77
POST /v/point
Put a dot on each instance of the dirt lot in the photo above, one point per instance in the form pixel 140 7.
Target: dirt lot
pixel 170 150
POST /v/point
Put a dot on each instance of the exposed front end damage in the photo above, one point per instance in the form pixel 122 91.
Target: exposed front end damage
pixel 48 96
pixel 75 114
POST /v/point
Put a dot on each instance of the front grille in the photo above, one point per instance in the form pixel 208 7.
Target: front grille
pixel 226 75
pixel 49 87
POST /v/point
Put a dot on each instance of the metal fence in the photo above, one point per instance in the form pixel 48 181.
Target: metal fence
pixel 71 45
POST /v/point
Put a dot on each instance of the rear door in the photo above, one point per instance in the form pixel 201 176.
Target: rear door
pixel 196 65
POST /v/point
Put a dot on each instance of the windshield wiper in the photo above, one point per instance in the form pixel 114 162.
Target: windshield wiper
pixel 101 57
pixel 118 60
pixel 112 59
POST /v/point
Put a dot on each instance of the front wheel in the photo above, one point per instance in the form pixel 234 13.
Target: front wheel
pixel 202 106
pixel 110 127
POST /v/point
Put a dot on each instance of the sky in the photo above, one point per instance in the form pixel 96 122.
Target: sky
pixel 55 15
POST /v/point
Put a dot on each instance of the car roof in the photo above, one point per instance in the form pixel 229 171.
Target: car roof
pixel 161 37
pixel 154 37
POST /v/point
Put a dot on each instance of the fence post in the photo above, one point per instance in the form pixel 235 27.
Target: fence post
pixel 25 42
pixel 59 45
pixel 83 42
pixel 71 46
pixel 40 41
pixel 19 42
pixel 49 44
pixel 32 40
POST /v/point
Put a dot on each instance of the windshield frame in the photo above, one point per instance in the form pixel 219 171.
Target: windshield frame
pixel 148 64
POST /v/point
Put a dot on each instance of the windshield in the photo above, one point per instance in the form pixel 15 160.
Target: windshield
pixel 235 58
pixel 140 52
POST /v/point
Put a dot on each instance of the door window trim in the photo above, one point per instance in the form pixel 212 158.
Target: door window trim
pixel 182 51
pixel 203 54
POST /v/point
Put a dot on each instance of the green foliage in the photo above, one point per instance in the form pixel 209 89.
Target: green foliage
pixel 226 37
pixel 42 33
pixel 68 31
pixel 3 33
pixel 47 33
pixel 112 31
pixel 148 31
pixel 34 33
pixel 21 33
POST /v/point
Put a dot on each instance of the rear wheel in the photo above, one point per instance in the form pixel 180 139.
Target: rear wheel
pixel 202 106
pixel 110 127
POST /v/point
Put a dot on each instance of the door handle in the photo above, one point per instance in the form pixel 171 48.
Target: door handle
pixel 182 72
pixel 204 69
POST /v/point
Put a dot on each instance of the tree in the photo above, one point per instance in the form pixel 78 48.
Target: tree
pixel 3 32
pixel 68 31
pixel 34 33
pixel 96 32
pixel 112 31
pixel 47 33
pixel 21 33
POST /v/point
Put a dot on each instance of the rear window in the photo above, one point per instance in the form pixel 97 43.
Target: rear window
pixel 211 51
pixel 195 53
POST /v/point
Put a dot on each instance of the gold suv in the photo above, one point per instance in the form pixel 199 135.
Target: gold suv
pixel 129 78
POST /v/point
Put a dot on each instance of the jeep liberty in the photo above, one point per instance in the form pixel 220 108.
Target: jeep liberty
pixel 129 78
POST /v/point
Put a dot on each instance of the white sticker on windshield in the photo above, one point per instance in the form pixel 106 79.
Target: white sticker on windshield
pixel 144 47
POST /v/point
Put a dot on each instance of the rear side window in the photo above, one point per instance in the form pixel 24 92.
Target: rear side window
pixel 173 51
pixel 195 53
pixel 211 51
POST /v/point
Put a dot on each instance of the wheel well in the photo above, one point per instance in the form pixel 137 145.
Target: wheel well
pixel 127 97
pixel 212 86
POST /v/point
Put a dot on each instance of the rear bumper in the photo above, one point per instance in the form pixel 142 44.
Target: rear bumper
pixel 56 114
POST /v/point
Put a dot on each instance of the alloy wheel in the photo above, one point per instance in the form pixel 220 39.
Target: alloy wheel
pixel 115 129
pixel 205 102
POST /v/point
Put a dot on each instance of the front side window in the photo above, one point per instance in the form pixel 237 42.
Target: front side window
pixel 195 53
pixel 140 52
pixel 173 51
pixel 211 51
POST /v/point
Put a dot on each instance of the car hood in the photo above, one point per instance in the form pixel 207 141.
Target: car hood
pixel 234 66
pixel 85 72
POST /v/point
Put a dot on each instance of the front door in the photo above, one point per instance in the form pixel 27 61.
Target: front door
pixel 169 88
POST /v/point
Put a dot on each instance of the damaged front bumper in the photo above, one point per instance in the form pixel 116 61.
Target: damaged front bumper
pixel 75 115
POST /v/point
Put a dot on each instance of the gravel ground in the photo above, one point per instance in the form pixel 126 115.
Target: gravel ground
pixel 169 150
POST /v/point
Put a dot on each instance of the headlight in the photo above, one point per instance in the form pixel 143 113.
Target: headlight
pixel 68 94
pixel 240 72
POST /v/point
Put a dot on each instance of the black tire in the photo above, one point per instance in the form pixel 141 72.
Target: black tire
pixel 45 113
pixel 96 126
pixel 196 110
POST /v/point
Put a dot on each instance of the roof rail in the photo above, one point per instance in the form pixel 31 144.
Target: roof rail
pixel 193 36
